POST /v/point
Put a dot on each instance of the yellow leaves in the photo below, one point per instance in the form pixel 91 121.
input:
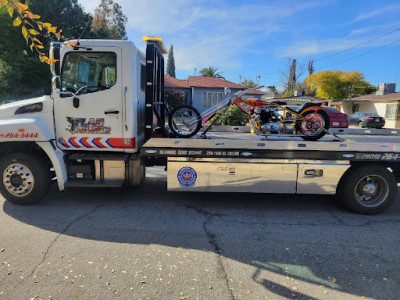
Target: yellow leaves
pixel 25 33
pixel 33 32
pixel 31 15
pixel 22 7
pixel 29 31
pixel 17 22
pixel 37 41
pixel 10 11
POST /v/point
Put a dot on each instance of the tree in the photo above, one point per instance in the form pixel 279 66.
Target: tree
pixel 211 72
pixel 66 14
pixel 20 72
pixel 109 21
pixel 291 77
pixel 249 83
pixel 174 99
pixel 171 62
pixel 339 84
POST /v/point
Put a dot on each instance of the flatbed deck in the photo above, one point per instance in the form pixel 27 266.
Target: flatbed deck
pixel 244 145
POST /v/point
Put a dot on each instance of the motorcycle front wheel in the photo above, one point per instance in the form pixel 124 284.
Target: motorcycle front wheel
pixel 184 121
pixel 313 124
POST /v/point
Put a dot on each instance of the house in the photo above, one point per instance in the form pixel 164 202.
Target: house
pixel 202 92
pixel 385 103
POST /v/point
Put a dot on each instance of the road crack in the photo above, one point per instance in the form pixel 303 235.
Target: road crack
pixel 212 239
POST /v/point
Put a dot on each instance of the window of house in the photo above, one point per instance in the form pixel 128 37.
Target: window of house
pixel 391 111
pixel 355 108
pixel 211 98
pixel 85 72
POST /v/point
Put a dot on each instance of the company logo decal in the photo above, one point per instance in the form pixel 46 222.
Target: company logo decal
pixel 95 126
pixel 187 177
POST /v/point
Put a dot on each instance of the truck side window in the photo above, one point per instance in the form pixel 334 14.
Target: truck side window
pixel 88 72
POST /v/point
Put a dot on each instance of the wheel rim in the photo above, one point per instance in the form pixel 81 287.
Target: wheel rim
pixel 18 180
pixel 312 124
pixel 184 121
pixel 371 191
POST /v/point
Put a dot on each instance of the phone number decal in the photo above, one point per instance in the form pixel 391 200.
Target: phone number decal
pixel 18 135
pixel 381 156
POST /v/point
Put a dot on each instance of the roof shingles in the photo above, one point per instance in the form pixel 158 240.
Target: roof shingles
pixel 204 81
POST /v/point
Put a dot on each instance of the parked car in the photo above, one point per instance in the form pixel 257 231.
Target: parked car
pixel 336 117
pixel 372 120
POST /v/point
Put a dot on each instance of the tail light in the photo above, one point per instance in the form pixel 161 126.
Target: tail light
pixel 368 119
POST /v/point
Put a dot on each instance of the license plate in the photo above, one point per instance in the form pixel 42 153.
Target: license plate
pixel 376 120
pixel 335 123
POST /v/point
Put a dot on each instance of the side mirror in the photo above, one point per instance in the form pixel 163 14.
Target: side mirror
pixel 227 91
pixel 75 102
pixel 58 82
pixel 55 67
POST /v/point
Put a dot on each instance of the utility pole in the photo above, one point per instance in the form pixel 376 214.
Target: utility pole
pixel 292 76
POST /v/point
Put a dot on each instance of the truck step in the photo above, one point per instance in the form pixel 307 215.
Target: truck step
pixel 93 183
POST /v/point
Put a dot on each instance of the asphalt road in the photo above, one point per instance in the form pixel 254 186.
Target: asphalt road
pixel 151 244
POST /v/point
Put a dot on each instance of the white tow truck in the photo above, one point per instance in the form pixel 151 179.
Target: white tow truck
pixel 104 123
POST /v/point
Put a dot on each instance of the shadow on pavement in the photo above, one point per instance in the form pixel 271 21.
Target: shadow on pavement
pixel 309 238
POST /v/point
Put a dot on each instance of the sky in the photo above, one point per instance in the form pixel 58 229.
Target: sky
pixel 255 39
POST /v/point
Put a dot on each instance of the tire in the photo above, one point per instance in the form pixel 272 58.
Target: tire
pixel 360 124
pixel 368 190
pixel 28 186
pixel 179 116
pixel 321 124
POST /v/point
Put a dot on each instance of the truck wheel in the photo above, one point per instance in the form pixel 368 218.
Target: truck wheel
pixel 368 190
pixel 25 178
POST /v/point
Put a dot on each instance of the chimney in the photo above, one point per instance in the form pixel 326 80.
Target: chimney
pixel 386 88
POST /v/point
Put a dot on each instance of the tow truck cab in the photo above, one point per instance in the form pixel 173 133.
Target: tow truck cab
pixel 91 128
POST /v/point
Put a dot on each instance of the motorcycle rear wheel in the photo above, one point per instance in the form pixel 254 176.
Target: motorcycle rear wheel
pixel 314 125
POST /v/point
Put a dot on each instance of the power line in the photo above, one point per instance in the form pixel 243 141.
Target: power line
pixel 364 53
pixel 358 45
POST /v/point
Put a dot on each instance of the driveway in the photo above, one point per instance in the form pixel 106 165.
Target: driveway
pixel 151 244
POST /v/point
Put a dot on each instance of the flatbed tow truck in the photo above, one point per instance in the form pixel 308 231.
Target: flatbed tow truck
pixel 104 124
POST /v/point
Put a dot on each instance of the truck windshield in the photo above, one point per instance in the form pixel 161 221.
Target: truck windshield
pixel 88 72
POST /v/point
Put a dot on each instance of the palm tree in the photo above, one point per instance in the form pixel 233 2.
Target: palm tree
pixel 211 72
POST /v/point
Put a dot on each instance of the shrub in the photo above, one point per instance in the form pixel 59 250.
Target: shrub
pixel 233 116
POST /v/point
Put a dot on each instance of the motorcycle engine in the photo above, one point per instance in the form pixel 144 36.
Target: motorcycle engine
pixel 269 118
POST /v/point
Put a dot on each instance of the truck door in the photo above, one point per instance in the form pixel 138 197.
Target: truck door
pixel 92 118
